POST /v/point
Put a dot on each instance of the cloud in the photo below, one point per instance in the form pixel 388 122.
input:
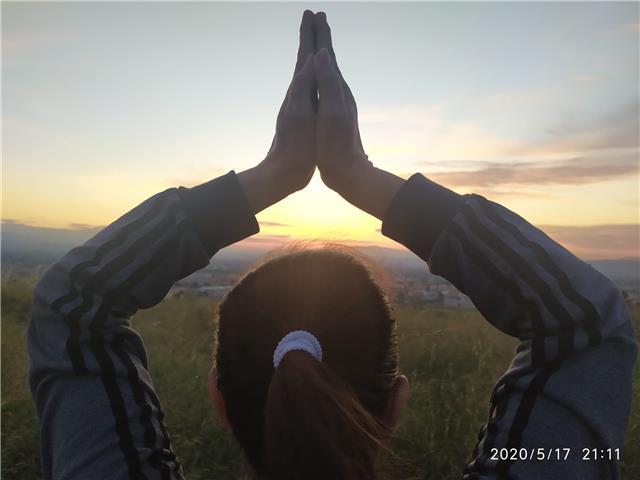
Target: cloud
pixel 267 239
pixel 575 151
pixel 430 132
pixel 21 237
pixel 576 171
pixel 416 133
pixel 598 241
pixel 83 226
pixel 499 193
pixel 585 78
pixel 16 41
pixel 264 223
pixel 619 129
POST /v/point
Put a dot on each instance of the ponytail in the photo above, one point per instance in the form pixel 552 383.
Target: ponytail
pixel 308 419
pixel 315 426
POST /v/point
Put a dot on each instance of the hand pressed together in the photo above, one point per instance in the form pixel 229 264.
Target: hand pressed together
pixel 292 151
pixel 318 126
pixel 339 150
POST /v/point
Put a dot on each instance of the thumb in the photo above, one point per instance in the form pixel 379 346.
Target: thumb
pixel 329 82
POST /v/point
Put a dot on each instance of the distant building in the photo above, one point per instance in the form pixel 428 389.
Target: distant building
pixel 429 296
pixel 457 300
pixel 209 291
pixel 217 291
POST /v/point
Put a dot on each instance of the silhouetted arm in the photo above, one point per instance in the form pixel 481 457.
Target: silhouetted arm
pixel 568 389
pixel 99 414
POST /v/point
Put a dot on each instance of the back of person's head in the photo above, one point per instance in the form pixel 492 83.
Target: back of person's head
pixel 308 419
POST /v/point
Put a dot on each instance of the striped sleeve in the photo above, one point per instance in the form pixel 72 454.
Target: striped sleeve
pixel 98 412
pixel 569 385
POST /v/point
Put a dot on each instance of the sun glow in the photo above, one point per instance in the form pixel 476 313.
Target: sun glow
pixel 187 97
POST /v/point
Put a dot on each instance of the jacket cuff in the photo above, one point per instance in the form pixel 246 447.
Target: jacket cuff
pixel 219 212
pixel 418 213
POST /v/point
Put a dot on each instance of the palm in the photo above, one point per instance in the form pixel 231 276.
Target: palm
pixel 292 151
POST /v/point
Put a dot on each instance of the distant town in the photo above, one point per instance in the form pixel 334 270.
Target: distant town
pixel 28 251
pixel 407 280
pixel 405 286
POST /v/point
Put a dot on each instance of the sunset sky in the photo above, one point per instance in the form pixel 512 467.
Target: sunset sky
pixel 532 105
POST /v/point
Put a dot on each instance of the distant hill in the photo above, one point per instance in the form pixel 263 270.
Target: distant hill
pixel 25 243
pixel 625 269
pixel 44 245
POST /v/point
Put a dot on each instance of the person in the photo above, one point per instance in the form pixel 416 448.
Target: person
pixel 306 375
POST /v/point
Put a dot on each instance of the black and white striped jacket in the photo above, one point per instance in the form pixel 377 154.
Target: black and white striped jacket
pixel 569 385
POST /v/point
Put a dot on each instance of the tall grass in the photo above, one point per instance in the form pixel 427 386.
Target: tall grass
pixel 452 358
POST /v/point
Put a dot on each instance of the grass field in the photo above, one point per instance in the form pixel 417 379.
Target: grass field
pixel 452 358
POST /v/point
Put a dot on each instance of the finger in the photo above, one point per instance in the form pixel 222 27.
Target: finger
pixel 323 36
pixel 352 108
pixel 323 40
pixel 332 98
pixel 302 90
pixel 307 45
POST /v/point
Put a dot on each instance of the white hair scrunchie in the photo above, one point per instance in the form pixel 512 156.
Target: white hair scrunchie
pixel 297 340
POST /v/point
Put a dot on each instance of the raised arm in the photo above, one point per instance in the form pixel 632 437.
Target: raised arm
pixel 99 415
pixel 561 409
pixel 98 412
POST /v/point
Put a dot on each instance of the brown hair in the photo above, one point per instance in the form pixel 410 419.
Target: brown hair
pixel 308 419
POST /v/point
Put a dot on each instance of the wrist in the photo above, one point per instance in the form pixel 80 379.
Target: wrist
pixel 369 188
pixel 262 186
pixel 345 178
